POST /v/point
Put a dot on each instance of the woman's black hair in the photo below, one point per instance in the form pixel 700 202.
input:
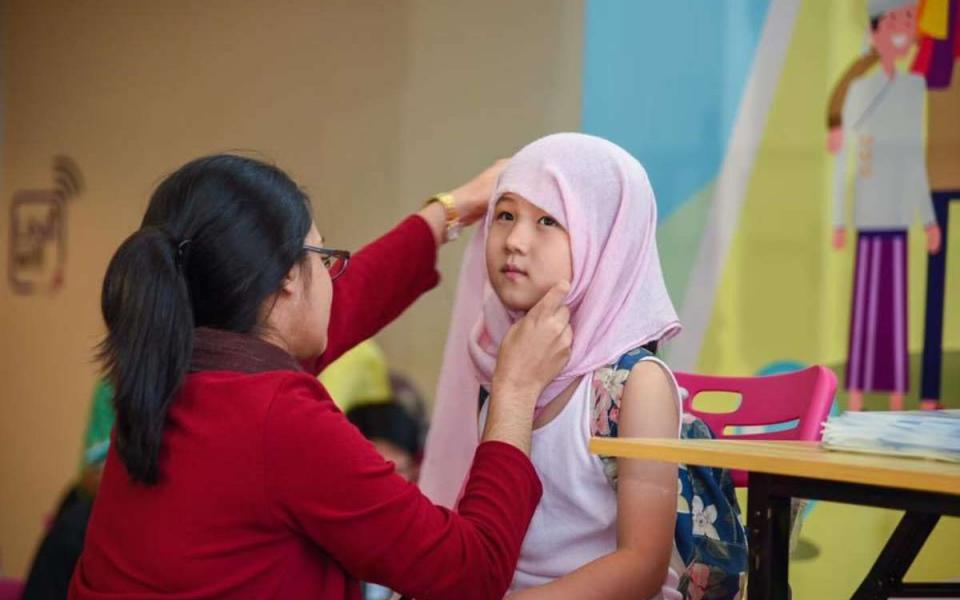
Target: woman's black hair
pixel 218 237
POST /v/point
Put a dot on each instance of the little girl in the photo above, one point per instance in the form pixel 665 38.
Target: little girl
pixel 576 208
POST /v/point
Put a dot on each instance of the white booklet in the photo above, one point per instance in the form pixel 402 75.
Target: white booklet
pixel 923 434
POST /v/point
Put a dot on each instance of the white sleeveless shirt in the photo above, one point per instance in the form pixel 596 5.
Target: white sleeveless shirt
pixel 576 520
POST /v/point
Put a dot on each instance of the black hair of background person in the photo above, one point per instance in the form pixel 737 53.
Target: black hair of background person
pixel 218 237
pixel 387 421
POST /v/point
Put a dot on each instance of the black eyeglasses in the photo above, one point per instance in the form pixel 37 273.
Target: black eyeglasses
pixel 334 260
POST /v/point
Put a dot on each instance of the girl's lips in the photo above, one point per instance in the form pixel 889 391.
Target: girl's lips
pixel 513 273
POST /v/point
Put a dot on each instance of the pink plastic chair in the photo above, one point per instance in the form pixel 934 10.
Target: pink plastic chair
pixel 796 404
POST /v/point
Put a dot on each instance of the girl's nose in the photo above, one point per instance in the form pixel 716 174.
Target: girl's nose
pixel 518 240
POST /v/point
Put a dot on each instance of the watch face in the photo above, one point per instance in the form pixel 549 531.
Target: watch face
pixel 453 231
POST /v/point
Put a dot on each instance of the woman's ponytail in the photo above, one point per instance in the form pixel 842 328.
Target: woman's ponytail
pixel 146 353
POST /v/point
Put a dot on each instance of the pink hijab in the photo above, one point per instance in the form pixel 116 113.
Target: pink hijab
pixel 618 301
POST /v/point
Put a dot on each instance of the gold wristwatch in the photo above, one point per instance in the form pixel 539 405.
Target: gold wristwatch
pixel 453 224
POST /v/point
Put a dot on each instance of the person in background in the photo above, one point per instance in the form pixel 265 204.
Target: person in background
pixel 398 437
pixel 394 432
pixel 383 404
pixel 62 543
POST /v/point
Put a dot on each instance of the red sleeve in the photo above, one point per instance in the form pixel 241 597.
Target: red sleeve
pixel 381 281
pixel 329 484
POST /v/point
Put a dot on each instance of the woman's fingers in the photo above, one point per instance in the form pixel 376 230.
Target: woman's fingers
pixel 473 197
pixel 552 301
pixel 537 347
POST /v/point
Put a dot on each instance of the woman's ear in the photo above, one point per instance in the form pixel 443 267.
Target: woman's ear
pixel 291 282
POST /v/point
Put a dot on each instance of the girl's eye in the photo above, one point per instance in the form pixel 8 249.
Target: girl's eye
pixel 504 216
pixel 548 221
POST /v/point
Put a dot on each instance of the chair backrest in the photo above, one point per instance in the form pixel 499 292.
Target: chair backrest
pixel 791 406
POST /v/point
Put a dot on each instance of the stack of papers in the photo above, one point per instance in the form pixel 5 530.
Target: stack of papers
pixel 924 434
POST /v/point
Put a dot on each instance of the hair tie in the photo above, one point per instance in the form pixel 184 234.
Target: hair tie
pixel 181 251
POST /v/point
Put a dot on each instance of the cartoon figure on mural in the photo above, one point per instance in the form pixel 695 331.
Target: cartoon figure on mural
pixel 877 111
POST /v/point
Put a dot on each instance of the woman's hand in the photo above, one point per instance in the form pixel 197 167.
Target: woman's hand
pixel 537 347
pixel 473 197
pixel 534 351
pixel 470 201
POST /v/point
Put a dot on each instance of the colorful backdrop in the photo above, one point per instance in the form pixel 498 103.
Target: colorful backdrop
pixel 725 103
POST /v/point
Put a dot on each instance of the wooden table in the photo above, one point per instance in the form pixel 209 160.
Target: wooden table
pixel 781 470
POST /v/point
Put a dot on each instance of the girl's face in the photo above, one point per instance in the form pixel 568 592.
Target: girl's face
pixel 528 252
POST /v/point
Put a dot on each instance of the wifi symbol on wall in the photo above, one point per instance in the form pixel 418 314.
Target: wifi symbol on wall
pixel 67 179
pixel 37 256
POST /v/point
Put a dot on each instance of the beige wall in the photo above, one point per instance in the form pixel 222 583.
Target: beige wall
pixel 372 105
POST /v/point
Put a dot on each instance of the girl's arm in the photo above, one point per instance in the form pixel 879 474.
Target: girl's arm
pixel 646 503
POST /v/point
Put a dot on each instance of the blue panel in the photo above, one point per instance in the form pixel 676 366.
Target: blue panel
pixel 664 80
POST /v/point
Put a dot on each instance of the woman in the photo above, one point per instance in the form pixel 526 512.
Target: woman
pixel 232 474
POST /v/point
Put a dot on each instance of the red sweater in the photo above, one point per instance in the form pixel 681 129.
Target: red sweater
pixel 267 491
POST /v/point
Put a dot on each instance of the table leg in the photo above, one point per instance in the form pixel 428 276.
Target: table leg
pixel 768 525
pixel 923 511
pixel 886 576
